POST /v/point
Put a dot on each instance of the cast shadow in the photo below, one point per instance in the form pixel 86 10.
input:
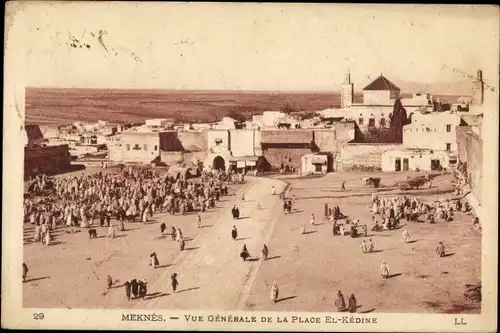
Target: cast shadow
pixel 376 251
pixel 367 311
pixel 191 248
pixel 120 235
pixel 189 289
pixel 36 279
pixel 412 241
pixel 207 226
pixel 394 275
pixel 155 295
pixel 449 254
pixel 253 259
pixel 243 238
pixel 243 218
pixel 310 232
pixel 285 298
pixel 164 266
pixel 57 242
pixel 275 257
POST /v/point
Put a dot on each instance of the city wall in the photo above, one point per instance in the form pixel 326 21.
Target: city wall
pixel 51 159
pixel 355 154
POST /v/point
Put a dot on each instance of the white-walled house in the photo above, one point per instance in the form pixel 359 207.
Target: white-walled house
pixel 435 130
pixel 414 160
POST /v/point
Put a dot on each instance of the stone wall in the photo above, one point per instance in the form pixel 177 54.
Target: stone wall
pixel 52 159
pixel 287 136
pixel 470 151
pixel 356 154
pixel 193 141
pixel 287 156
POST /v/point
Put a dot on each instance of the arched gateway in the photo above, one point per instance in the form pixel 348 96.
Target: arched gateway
pixel 219 163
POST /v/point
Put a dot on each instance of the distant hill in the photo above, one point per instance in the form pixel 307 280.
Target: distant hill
pixel 62 106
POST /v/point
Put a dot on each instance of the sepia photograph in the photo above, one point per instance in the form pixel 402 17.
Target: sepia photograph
pixel 201 164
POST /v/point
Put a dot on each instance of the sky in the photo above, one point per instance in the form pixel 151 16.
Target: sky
pixel 246 46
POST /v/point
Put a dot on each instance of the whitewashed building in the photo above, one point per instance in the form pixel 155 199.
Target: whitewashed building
pixel 435 130
pixel 414 160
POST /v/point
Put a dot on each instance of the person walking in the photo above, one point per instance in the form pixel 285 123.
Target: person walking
pixel 353 305
pixel 198 221
pixel 312 220
pixel 174 282
pixel 342 188
pixel 25 272
pixel 234 232
pixel 127 290
pixel 274 292
pixel 153 260
pixel 371 246
pixel 440 250
pixel 265 252
pixel 163 228
pixel 109 281
pixel 364 246
pixel 406 236
pixel 302 228
pixel 340 302
pixel 384 270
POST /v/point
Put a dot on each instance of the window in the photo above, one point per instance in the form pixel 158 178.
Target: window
pixel 128 146
pixel 371 122
pixel 448 128
pixel 448 146
pixel 382 122
pixel 136 147
pixel 360 121
pixel 145 147
pixel 156 148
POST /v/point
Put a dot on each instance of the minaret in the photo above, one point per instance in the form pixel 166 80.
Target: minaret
pixel 478 89
pixel 346 91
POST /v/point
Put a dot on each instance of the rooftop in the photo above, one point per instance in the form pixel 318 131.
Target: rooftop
pixel 381 83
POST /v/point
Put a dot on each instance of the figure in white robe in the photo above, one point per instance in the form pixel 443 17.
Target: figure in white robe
pixel 48 238
pixel 111 231
pixel 384 270
pixel 312 220
pixel 302 228
pixel 274 292
pixel 406 236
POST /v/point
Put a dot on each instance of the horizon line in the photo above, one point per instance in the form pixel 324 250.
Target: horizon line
pixel 243 91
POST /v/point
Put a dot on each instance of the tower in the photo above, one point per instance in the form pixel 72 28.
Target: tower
pixel 346 91
pixel 478 89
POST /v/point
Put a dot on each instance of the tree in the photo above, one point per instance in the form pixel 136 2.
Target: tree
pixel 287 108
pixel 398 120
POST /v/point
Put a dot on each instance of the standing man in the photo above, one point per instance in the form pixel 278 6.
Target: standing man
pixel 234 232
pixel 265 252
pixel 175 283
pixel 25 272
pixel 198 220
pixel 342 188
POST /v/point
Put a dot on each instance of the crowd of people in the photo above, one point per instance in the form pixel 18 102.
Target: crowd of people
pixel 135 194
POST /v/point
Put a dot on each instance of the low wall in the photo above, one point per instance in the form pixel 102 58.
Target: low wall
pixel 193 141
pixel 355 154
pixel 288 156
pixel 52 159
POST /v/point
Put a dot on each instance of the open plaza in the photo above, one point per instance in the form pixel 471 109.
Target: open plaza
pixel 308 262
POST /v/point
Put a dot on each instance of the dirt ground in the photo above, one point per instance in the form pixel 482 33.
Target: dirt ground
pixel 314 266
pixel 308 268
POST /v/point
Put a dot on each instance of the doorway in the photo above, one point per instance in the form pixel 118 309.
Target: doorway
pixel 219 163
pixel 397 165
pixel 435 164
pixel 406 164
